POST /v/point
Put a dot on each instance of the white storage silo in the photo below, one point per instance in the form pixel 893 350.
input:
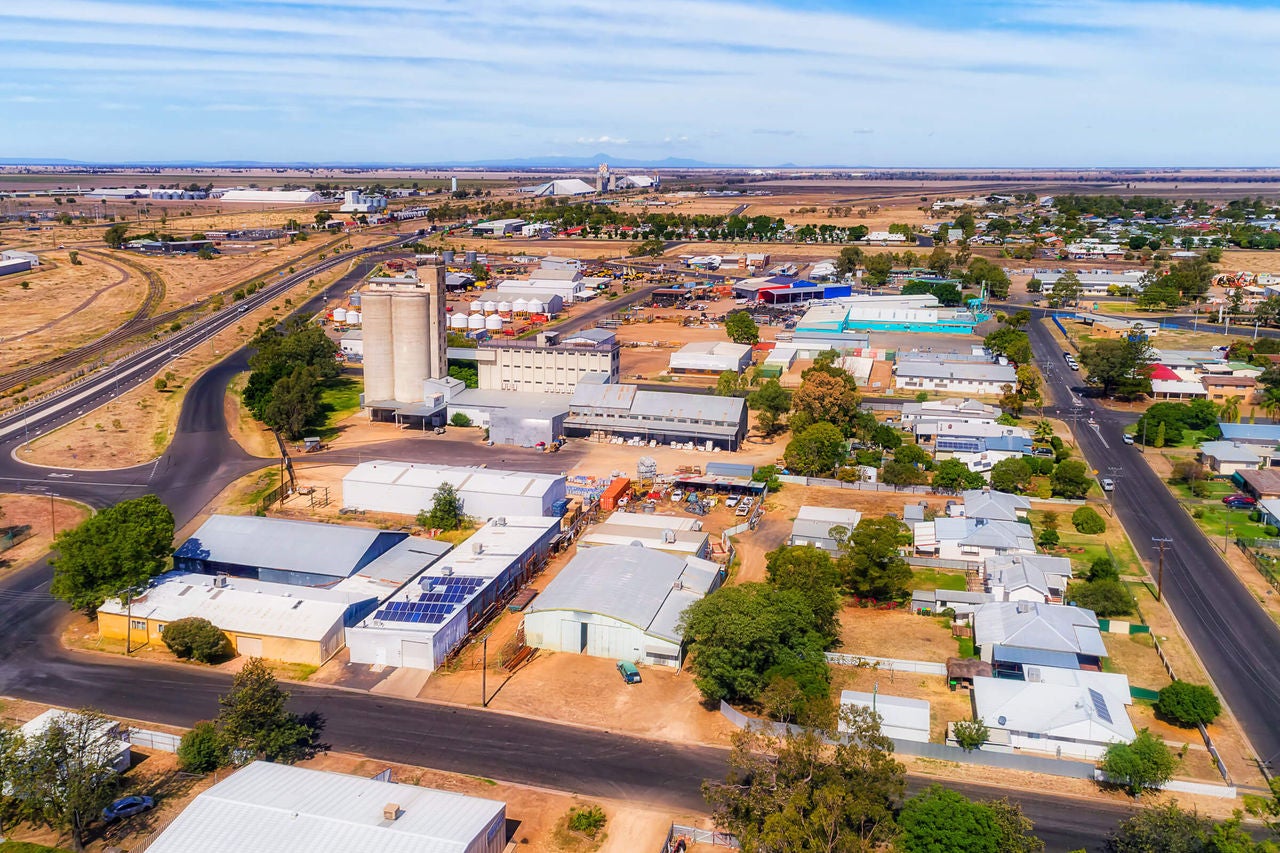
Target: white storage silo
pixel 520 306
pixel 353 318
pixel 504 307
pixel 475 321
pixel 490 307
pixel 493 322
pixel 458 321
pixel 379 364
pixel 477 306
pixel 535 306
pixel 339 315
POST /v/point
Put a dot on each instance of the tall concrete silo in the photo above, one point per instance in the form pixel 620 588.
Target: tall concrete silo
pixel 405 326
pixel 411 340
pixel 379 363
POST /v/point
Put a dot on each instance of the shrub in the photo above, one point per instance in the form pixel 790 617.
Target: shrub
pixel 1086 520
pixel 460 419
pixel 1048 539
pixel 1103 569
pixel 588 820
pixel 196 638
pixel 1272 531
pixel 202 749
pixel 1187 704
pixel 1106 598
pixel 970 734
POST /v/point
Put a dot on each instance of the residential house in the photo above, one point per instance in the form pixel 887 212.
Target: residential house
pixel 1222 388
pixel 966 378
pixel 995 506
pixel 1225 458
pixel 813 526
pixel 1261 485
pixel 951 410
pixel 1015 634
pixel 1071 720
pixel 972 540
pixel 1027 577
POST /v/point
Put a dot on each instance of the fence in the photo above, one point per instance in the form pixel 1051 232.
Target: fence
pixel 863 487
pixel 1204 732
pixel 693 835
pixel 1267 565
pixel 147 739
pixel 14 536
pixel 922 667
pixel 940 563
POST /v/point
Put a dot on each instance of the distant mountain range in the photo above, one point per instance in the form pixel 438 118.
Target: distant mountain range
pixel 546 162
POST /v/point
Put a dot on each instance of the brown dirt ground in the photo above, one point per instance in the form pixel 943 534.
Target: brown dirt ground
pixel 897 634
pixel 945 705
pixel 44 516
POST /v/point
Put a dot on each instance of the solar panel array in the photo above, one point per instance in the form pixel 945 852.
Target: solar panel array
pixel 435 606
pixel 1100 705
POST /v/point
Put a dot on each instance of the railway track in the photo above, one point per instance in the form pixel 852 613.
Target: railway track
pixel 143 322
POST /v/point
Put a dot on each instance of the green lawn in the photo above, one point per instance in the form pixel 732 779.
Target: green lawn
pixel 339 399
pixel 1095 546
pixel 936 579
pixel 1218 489
pixel 27 847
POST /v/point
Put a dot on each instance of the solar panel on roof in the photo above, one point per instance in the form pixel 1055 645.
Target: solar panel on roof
pixel 1100 705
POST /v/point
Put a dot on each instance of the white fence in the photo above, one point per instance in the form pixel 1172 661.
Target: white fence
pixel 693 835
pixel 147 739
pixel 923 667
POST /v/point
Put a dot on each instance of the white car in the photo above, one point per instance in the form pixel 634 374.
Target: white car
pixel 732 501
pixel 1108 484
pixel 677 496
pixel 1126 438
pixel 743 510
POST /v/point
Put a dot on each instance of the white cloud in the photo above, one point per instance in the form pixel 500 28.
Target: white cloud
pixel 1090 82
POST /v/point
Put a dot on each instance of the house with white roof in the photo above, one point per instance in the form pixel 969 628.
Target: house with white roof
pixel 951 409
pixel 967 378
pixel 813 526
pixel 900 718
pixel 972 540
pixel 1225 458
pixel 286 809
pixel 995 506
pixel 106 742
pixel 1065 720
pixel 1012 635
pixel 409 487
pixel 1027 577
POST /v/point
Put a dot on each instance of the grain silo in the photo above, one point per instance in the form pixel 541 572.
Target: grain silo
pixel 405 335
pixel 475 321
pixel 458 321
pixel 493 323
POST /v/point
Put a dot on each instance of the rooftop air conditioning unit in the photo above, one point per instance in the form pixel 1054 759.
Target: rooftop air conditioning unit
pixel 391 811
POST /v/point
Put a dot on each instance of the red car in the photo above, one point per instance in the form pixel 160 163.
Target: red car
pixel 1238 501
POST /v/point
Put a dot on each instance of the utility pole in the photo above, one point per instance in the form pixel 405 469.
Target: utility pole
pixel 1160 543
pixel 484 672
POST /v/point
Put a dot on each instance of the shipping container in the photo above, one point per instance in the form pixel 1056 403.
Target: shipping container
pixel 616 490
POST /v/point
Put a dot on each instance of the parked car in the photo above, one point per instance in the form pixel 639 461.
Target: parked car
pixel 677 496
pixel 630 674
pixel 743 510
pixel 1108 484
pixel 1042 451
pixel 1239 504
pixel 732 501
pixel 1239 498
pixel 127 807
pixel 1126 438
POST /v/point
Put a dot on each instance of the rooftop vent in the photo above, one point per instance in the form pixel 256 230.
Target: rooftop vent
pixel 391 811
pixel 500 521
pixel 1024 606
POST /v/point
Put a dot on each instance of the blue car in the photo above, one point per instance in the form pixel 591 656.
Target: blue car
pixel 127 807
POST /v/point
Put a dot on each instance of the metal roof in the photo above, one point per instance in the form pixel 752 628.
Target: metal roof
pixel 396 567
pixel 1254 432
pixel 1058 711
pixel 1032 625
pixel 957 370
pixel 633 584
pixel 895 711
pixel 1000 506
pixel 276 808
pixel 1230 451
pixel 815 522
pixel 277 543
pixel 465 480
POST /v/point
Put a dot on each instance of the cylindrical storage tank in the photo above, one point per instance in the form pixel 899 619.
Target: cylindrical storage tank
pixel 379 362
pixel 476 306
pixel 492 322
pixel 504 307
pixel 475 321
pixel 353 318
pixel 339 315
pixel 447 256
pixel 535 306
pixel 458 321
pixel 471 257
pixel 354 299
pixel 520 306
pixel 411 331
pixel 490 307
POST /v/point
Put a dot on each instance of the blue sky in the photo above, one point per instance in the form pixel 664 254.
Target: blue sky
pixel 930 83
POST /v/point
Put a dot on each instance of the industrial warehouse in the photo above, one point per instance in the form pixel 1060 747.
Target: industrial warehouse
pixel 408 488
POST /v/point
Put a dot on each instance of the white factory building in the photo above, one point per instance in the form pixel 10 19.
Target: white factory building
pixel 407 488
pixel 562 186
pixel 286 809
pixel 550 363
pixel 429 617
pixel 354 201
pixel 269 197
pixel 622 602
pixel 680 535
pixel 711 357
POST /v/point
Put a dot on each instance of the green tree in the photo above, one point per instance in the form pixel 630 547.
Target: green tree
pixel 1011 475
pixel 970 734
pixel 1070 480
pixel 1161 829
pixel 460 419
pixel 1188 704
pixel 1121 368
pixel 741 329
pixel 954 475
pixel 982 273
pixel 794 792
pixel 1013 344
pixel 1066 290
pixel 810 571
pixel 744 636
pixel 256 721
pixel 1014 830
pixel 816 452
pixel 869 561
pixel 848 260
pixel 65 775
pixel 1144 763
pixel 825 397
pixel 913 454
pixel 114 236
pixel 1103 569
pixel 446 509
pixel 939 261
pixel 294 403
pixel 878 268
pixel 940 820
pixel 118 548
pixel 1107 598
pixel 1086 520
pixel 728 383
pixel 11 743
pixel 202 749
pixel 652 247
pixel 196 638
pixel 900 474
pixel 771 401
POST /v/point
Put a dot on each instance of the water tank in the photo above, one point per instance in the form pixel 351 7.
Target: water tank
pixel 447 256
pixel 471 257
pixel 504 307
pixel 354 299
pixel 379 363
pixel 477 306
pixel 353 318
pixel 493 322
pixel 535 306
pixel 339 315
pixel 490 307
pixel 475 321
pixel 458 321
pixel 520 306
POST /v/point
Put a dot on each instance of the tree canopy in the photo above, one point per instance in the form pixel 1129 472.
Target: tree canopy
pixel 826 397
pixel 1144 763
pixel 817 451
pixel 741 329
pixel 1187 704
pixel 810 571
pixel 256 722
pixel 954 475
pixel 116 549
pixel 1121 368
pixel 869 561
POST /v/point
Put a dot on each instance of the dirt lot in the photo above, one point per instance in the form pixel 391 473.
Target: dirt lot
pixel 945 705
pixel 894 634
pixel 44 516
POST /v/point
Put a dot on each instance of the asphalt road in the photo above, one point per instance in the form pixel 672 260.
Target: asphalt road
pixel 1237 641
